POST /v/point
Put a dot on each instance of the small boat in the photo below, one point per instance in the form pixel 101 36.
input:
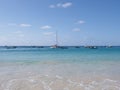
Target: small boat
pixel 77 47
pixel 10 47
pixel 108 46
pixel 40 46
pixel 91 47
pixel 56 45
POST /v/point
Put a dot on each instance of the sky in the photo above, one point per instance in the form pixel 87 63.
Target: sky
pixel 77 22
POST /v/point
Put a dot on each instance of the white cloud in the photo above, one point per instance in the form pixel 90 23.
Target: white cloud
pixel 12 24
pixel 65 5
pixel 76 30
pixel 25 25
pixel 52 6
pixel 61 5
pixel 81 22
pixel 48 33
pixel 45 27
pixel 19 25
pixel 19 33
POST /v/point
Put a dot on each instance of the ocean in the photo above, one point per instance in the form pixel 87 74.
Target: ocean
pixel 34 68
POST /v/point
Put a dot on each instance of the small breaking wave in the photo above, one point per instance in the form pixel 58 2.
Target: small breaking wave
pixel 45 82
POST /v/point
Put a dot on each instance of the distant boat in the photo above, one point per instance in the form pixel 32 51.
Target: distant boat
pixel 108 46
pixel 40 46
pixel 77 47
pixel 10 47
pixel 56 45
pixel 91 47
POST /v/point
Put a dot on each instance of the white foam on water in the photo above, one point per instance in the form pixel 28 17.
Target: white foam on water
pixel 73 83
pixel 46 87
pixel 81 85
pixel 66 88
pixel 87 88
pixel 109 80
pixel 59 77
pixel 51 83
pixel 69 84
pixel 32 80
pixel 47 75
pixel 94 83
pixel 9 84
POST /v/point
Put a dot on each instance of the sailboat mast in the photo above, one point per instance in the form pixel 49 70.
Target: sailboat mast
pixel 56 38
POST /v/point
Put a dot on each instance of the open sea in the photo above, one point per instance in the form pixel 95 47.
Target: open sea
pixel 30 68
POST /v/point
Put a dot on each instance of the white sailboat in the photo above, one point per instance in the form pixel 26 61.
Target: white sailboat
pixel 56 45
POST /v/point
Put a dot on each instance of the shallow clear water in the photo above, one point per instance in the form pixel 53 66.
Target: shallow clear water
pixel 60 69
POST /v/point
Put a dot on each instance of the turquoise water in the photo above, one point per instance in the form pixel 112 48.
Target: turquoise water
pixel 96 65
pixel 59 55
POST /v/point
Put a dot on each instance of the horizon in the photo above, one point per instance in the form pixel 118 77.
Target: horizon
pixel 78 22
pixel 58 45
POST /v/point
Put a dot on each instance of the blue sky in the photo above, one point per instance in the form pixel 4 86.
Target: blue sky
pixel 78 22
